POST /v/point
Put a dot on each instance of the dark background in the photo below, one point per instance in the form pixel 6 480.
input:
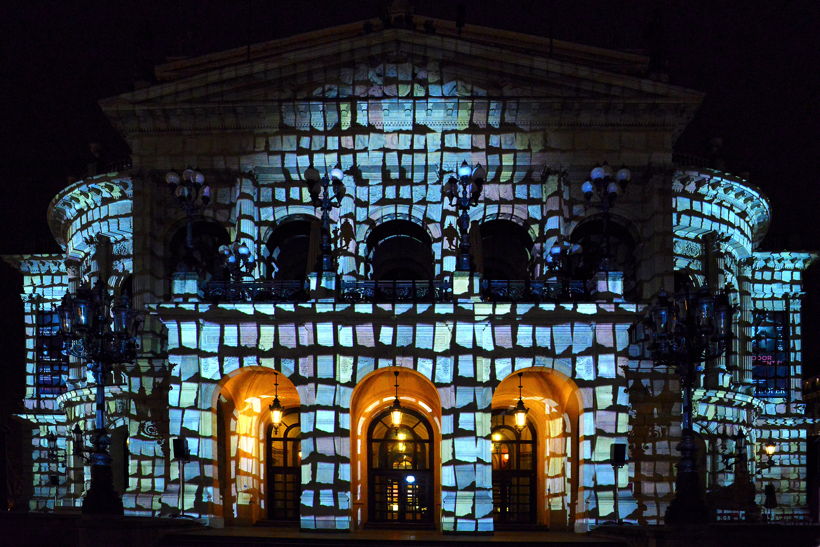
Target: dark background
pixel 757 62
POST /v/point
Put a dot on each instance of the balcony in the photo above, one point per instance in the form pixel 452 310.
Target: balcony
pixel 552 290
pixel 396 291
pixel 256 291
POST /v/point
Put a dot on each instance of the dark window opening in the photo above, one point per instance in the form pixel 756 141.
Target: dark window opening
pixel 290 248
pixel 284 460
pixel 606 246
pixel 400 250
pixel 514 472
pixel 51 369
pixel 506 250
pixel 400 477
pixel 684 283
pixel 203 256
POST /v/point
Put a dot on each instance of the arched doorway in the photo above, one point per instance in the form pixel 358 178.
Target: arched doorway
pixel 515 480
pixel 545 462
pixel 283 468
pixel 411 452
pixel 400 469
pixel 257 465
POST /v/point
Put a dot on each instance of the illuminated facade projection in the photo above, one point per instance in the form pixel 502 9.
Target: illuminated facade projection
pixel 399 311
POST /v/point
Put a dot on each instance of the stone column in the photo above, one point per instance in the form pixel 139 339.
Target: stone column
pixel 325 425
pixel 466 468
pixel 246 215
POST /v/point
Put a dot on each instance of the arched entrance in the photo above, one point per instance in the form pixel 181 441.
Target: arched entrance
pixel 258 466
pixel 514 452
pixel 283 468
pixel 395 472
pixel 538 483
pixel 400 469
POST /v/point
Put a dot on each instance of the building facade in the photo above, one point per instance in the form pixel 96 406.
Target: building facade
pixel 399 109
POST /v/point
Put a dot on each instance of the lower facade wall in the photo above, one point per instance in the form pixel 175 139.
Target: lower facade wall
pixel 458 364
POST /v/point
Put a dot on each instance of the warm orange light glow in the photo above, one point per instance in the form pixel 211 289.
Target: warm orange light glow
pixel 520 418
pixel 496 437
pixel 401 436
pixel 395 417
pixel 770 449
pixel 276 417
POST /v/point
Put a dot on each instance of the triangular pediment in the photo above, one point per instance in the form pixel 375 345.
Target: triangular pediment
pixel 403 65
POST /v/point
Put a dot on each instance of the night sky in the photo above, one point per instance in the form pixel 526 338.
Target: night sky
pixel 757 65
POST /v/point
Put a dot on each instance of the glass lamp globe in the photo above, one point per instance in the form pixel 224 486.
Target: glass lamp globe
pixel 479 172
pixel 172 177
pixel 623 175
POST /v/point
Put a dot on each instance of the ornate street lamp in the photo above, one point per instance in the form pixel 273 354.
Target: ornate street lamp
pixel 319 188
pixel 471 181
pixel 396 411
pixel 685 330
pixel 238 260
pixel 101 331
pixel 276 408
pixel 559 257
pixel 192 195
pixel 605 185
pixel 520 412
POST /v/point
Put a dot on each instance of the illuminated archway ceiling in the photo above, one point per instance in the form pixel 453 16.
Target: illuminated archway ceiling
pixel 253 388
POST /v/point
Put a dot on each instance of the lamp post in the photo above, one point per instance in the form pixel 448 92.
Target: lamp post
pixel 471 181
pixel 684 330
pixel 605 185
pixel 559 257
pixel 192 195
pixel 238 260
pixel 319 188
pixel 100 330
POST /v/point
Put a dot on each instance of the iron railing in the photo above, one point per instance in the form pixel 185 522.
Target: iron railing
pixel 256 291
pixel 514 290
pixel 396 291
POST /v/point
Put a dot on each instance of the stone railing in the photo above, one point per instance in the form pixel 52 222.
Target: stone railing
pixel 396 291
pixel 552 290
pixel 256 291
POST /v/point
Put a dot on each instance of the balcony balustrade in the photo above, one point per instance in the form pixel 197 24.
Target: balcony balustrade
pixel 551 290
pixel 396 291
pixel 256 291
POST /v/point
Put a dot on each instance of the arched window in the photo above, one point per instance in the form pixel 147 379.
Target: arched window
pixel 202 257
pixel 400 469
pixel 514 472
pixel 506 250
pixel 684 283
pixel 292 249
pixel 283 469
pixel 400 249
pixel 607 246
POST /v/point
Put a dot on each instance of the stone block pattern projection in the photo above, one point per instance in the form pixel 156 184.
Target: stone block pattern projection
pixel 399 111
pixel 464 350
